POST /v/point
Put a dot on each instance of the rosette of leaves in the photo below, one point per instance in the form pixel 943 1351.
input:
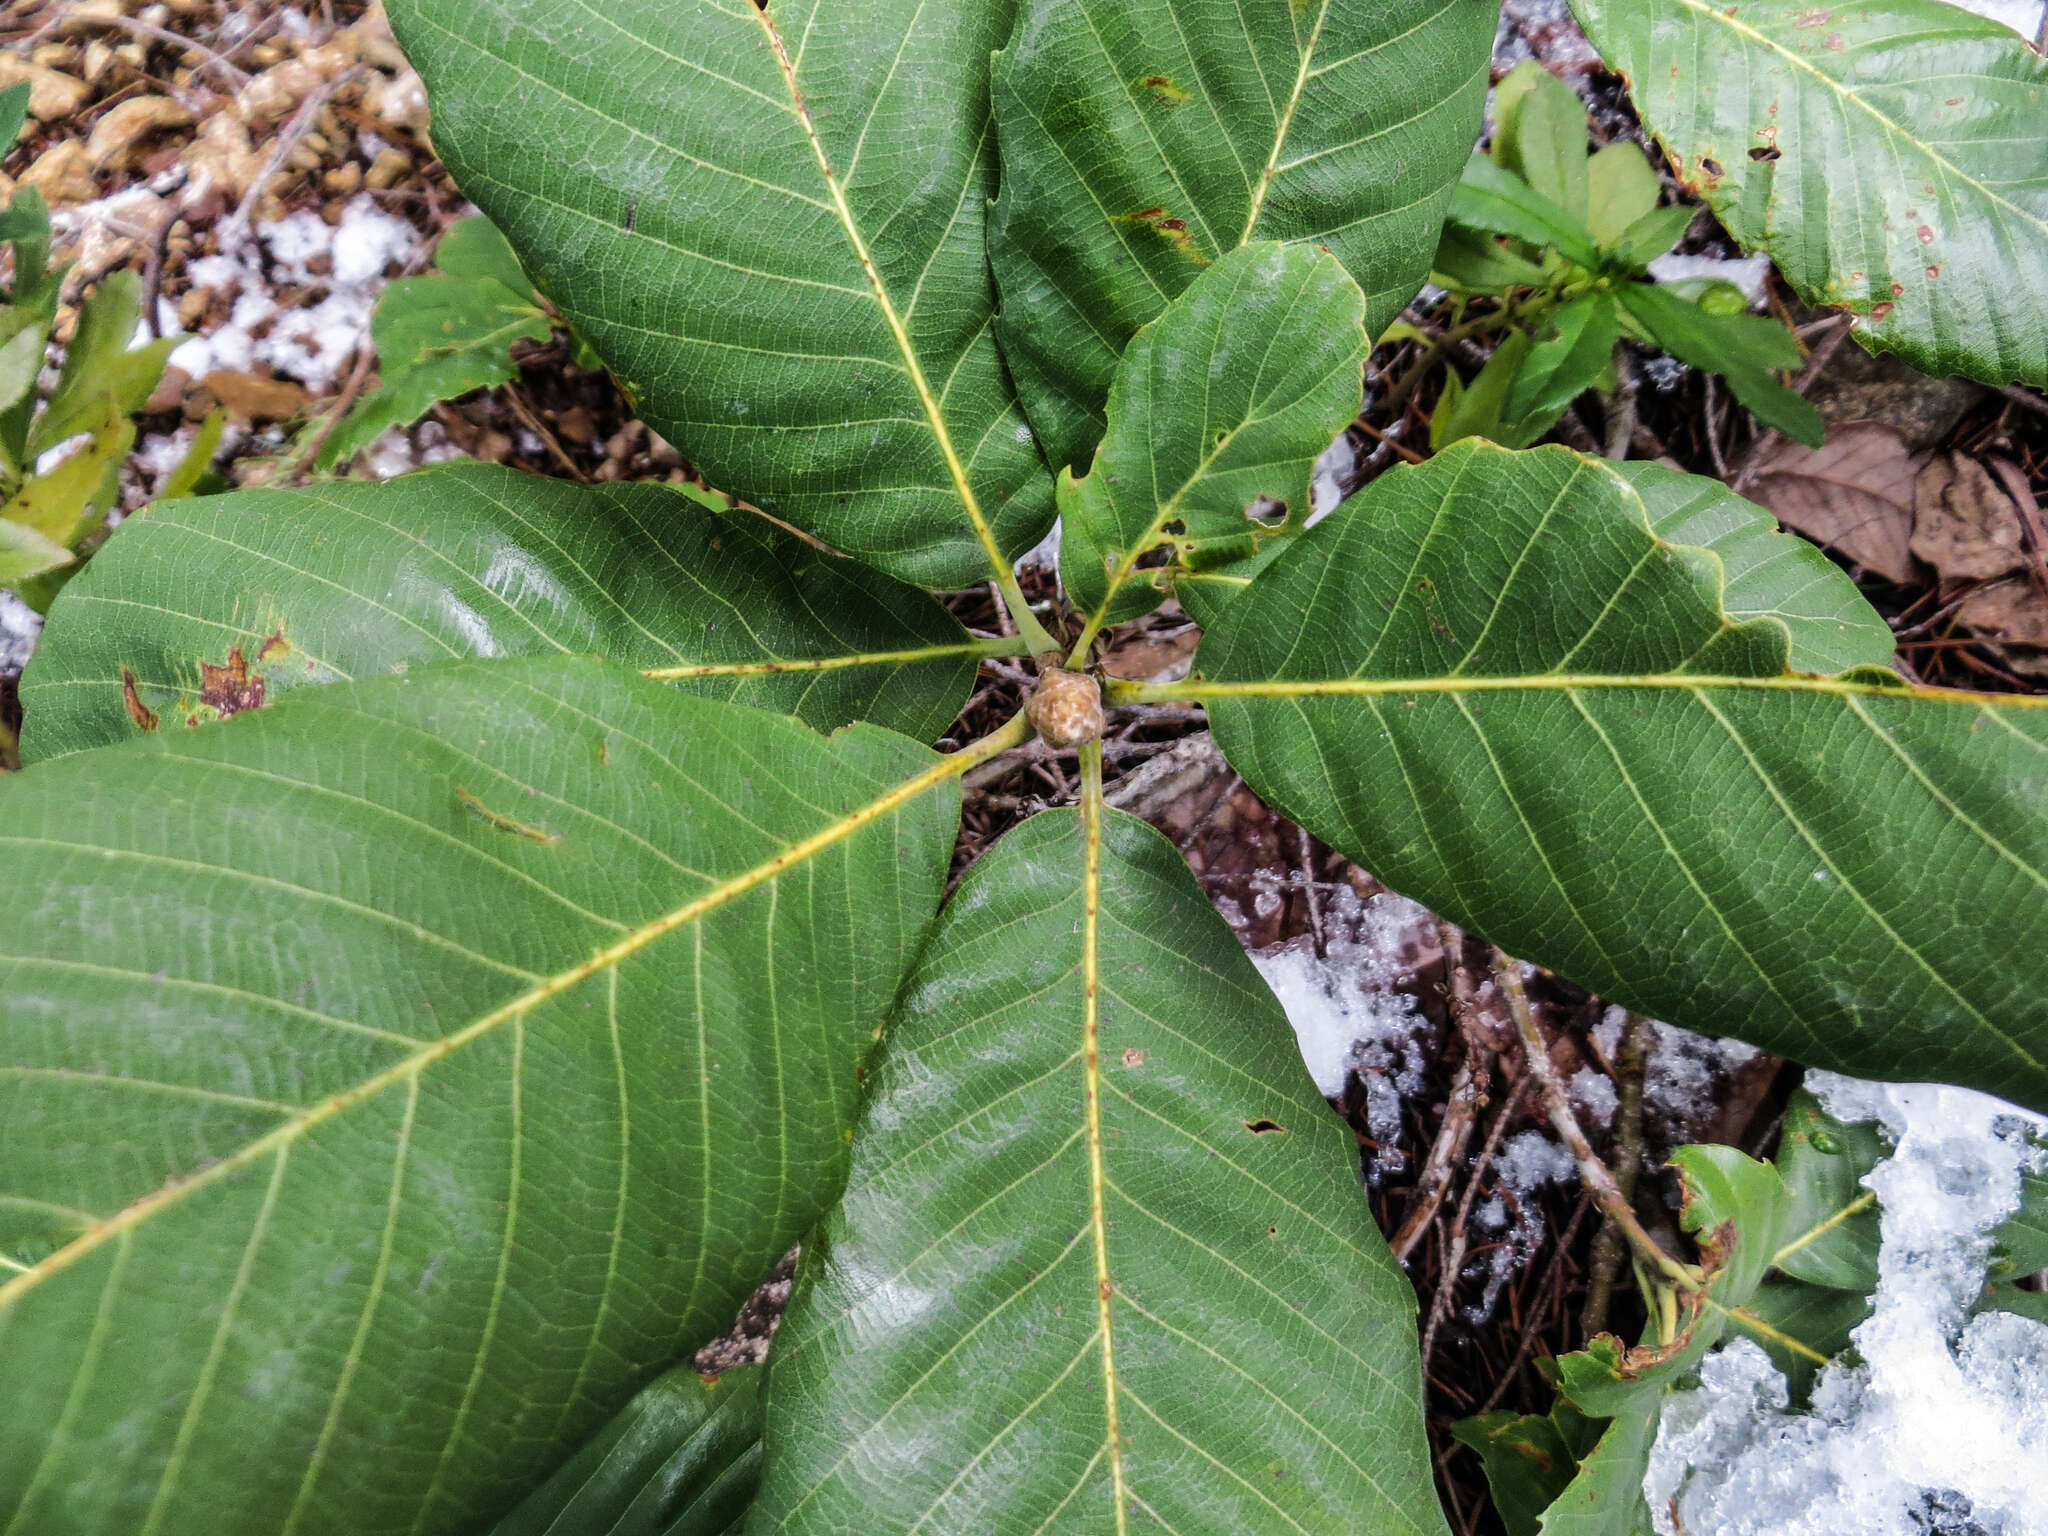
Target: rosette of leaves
pixel 460 961
pixel 1563 240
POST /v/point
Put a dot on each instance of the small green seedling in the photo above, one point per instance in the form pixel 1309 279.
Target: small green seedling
pixel 1561 241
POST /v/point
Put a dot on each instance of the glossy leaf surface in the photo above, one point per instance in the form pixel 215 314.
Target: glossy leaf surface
pixel 770 225
pixel 1767 573
pixel 1220 407
pixel 1086 1259
pixel 1888 154
pixel 682 1459
pixel 1141 142
pixel 395 1079
pixel 356 580
pixel 1552 731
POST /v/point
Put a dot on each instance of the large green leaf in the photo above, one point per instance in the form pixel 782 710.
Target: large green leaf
pixel 355 580
pixel 1103 1262
pixel 395 1079
pixel 1220 407
pixel 1488 681
pixel 1769 574
pixel 1144 139
pixel 1887 153
pixel 682 1459
pixel 1824 1162
pixel 769 223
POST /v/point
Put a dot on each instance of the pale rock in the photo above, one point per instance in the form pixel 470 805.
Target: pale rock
pixel 115 134
pixel 51 96
pixel 62 174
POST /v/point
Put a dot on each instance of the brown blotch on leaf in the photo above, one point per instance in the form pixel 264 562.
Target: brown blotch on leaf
pixel 139 712
pixel 1170 229
pixel 1133 1057
pixel 1164 90
pixel 274 645
pixel 229 690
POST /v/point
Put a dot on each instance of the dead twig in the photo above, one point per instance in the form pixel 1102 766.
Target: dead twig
pixel 1593 1173
pixel 1631 1067
pixel 231 228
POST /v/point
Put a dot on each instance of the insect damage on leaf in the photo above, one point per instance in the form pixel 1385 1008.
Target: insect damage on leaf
pixel 502 822
pixel 1164 90
pixel 1172 230
pixel 228 690
pixel 139 712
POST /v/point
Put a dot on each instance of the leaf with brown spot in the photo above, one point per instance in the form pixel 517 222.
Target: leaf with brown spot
pixel 229 690
pixel 139 712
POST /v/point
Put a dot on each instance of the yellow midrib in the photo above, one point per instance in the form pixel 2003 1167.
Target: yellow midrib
pixel 289 1132
pixel 1549 682
pixel 1091 1054
pixel 934 413
pixel 1285 125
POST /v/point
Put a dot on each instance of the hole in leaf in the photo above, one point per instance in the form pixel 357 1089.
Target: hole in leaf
pixel 1263 1127
pixel 1764 153
pixel 1266 511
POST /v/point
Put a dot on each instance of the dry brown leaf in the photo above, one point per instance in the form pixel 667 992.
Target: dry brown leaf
pixel 51 96
pixel 1964 525
pixel 250 398
pixel 2014 614
pixel 1853 494
pixel 114 135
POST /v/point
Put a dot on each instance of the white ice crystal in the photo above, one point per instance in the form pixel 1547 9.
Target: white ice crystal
pixel 1942 1427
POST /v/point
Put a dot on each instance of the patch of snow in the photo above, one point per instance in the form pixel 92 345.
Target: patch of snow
pixel 1593 1096
pixel 1681 1086
pixel 1044 555
pixel 1942 1425
pixel 1334 466
pixel 1752 274
pixel 20 627
pixel 314 343
pixel 1348 1011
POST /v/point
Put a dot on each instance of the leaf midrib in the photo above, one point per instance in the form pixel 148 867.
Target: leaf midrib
pixel 287 1134
pixel 934 410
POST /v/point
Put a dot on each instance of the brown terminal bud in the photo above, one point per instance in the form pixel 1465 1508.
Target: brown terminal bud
pixel 1065 707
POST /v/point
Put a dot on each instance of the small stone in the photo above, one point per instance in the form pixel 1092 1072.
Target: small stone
pixel 63 175
pixel 114 135
pixel 222 157
pixel 51 96
pixel 388 169
pixel 344 179
pixel 169 394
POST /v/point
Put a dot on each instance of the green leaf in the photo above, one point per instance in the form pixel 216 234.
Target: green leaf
pixel 1499 202
pixel 1744 348
pixel 682 1459
pixel 1735 1208
pixel 1621 191
pixel 1832 1233
pixel 1653 234
pixel 99 365
pixel 1477 263
pixel 1475 409
pixel 817 341
pixel 356 580
pixel 13 112
pixel 184 479
pixel 1888 155
pixel 1540 135
pixel 1085 1260
pixel 440 337
pixel 396 1078
pixel 1143 141
pixel 1768 573
pixel 1529 1459
pixel 25 553
pixel 1487 681
pixel 69 501
pixel 1225 399
pixel 21 357
pixel 1574 346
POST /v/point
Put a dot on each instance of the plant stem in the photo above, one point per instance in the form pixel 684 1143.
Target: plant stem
pixel 1630 1066
pixel 1598 1181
